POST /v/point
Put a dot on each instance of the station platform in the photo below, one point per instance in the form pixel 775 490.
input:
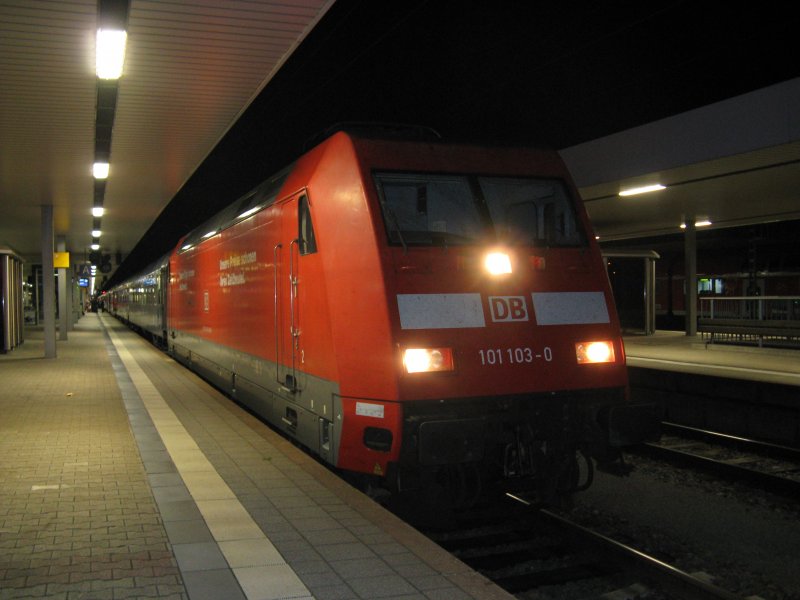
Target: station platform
pixel 124 475
pixel 677 352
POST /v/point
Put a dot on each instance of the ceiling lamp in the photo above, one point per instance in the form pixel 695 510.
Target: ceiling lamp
pixel 703 223
pixel 98 211
pixel 96 233
pixel 95 246
pixel 110 53
pixel 642 190
pixel 100 170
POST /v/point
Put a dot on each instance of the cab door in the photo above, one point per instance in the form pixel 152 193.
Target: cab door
pixel 294 291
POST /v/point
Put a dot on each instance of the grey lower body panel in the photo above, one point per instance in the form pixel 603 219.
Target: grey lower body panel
pixel 310 412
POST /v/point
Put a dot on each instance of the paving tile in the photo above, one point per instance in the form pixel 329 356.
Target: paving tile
pixel 272 582
pixel 380 586
pixel 348 569
pixel 199 556
pixel 213 585
pixel 251 553
pixel 188 531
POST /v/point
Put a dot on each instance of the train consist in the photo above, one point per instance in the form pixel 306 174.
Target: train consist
pixel 420 314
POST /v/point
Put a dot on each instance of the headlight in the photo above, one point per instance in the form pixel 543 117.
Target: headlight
pixel 427 360
pixel 497 263
pixel 594 352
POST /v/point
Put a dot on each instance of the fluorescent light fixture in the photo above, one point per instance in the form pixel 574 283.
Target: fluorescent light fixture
pixel 100 170
pixel 187 247
pixel 95 246
pixel 110 53
pixel 642 190
pixel 96 233
pixel 209 234
pixel 704 223
pixel 98 211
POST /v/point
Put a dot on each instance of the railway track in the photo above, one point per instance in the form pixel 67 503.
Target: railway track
pixel 767 466
pixel 535 553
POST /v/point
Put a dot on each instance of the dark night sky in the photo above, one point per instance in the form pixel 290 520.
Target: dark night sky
pixel 540 73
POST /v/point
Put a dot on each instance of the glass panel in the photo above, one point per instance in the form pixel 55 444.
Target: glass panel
pixel 534 212
pixel 308 243
pixel 432 210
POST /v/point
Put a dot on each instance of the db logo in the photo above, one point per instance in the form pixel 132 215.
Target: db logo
pixel 508 308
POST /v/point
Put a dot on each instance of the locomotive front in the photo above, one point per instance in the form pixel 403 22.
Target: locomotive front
pixel 507 341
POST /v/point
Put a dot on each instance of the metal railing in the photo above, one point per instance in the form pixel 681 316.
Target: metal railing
pixel 761 308
pixel 749 318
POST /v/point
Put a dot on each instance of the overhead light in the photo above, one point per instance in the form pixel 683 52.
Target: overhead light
pixel 100 170
pixel 98 211
pixel 704 223
pixel 96 233
pixel 642 190
pixel 95 246
pixel 209 234
pixel 110 53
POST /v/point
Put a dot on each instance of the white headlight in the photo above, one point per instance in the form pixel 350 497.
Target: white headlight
pixel 497 263
pixel 594 352
pixel 427 360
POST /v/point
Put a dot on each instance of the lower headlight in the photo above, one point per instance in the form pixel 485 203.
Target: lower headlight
pixel 427 360
pixel 594 352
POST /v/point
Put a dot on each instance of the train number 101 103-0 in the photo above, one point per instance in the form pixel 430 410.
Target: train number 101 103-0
pixel 511 356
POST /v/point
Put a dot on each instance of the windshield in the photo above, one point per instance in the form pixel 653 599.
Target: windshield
pixel 425 210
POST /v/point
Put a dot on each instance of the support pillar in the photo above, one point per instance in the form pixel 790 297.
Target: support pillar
pixel 48 284
pixel 690 258
pixel 64 310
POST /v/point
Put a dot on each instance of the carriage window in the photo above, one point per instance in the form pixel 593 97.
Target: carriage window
pixel 308 243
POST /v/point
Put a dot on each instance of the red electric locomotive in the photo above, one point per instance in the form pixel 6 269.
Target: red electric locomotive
pixel 415 312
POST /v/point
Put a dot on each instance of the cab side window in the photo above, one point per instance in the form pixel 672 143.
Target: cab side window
pixel 308 242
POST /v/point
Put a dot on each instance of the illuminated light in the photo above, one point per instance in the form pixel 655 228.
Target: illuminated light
pixel 98 211
pixel 96 233
pixel 704 223
pixel 110 53
pixel 594 352
pixel 497 263
pixel 95 246
pixel 247 213
pixel 100 170
pixel 642 190
pixel 538 262
pixel 427 360
pixel 187 247
pixel 209 234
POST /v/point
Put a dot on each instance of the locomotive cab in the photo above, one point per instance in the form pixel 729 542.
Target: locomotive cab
pixel 510 358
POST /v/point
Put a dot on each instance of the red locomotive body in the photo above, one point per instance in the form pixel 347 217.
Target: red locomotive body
pixel 413 311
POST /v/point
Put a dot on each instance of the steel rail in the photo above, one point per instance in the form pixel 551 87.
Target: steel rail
pixel 674 580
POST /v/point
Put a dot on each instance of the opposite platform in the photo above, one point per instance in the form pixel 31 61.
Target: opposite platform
pixel 125 475
pixel 675 351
